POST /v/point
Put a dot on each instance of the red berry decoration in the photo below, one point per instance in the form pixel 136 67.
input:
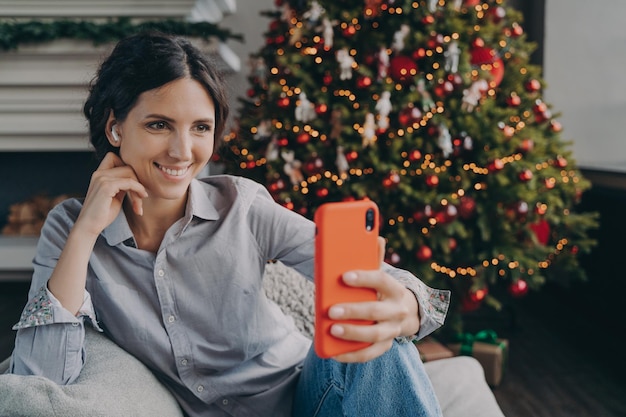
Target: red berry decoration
pixel 518 288
pixel 424 253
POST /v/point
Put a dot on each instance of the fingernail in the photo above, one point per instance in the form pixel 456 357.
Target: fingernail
pixel 337 330
pixel 349 277
pixel 336 312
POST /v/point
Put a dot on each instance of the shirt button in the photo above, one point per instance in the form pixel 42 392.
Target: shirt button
pixel 161 273
pixel 183 362
pixel 200 388
pixel 225 401
pixel 171 319
pixel 75 324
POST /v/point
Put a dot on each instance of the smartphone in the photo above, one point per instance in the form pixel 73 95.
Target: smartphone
pixel 346 239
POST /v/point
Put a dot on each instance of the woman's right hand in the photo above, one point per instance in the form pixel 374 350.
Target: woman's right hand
pixel 110 183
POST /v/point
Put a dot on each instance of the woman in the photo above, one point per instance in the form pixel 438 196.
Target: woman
pixel 170 267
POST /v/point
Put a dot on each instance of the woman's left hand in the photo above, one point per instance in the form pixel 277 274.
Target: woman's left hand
pixel 394 314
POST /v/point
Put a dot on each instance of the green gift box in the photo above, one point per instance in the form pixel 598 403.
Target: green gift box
pixel 488 349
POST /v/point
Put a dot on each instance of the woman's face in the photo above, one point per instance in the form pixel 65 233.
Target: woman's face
pixel 168 137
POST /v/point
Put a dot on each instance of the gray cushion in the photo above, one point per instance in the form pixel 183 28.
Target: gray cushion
pixel 112 383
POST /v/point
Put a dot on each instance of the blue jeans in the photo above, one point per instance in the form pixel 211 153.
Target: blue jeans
pixel 392 385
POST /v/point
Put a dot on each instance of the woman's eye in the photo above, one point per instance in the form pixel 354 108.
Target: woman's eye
pixel 203 128
pixel 158 125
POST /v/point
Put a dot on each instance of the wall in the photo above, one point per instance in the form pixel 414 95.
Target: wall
pixel 584 61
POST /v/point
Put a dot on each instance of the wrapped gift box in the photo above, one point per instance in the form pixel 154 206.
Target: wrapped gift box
pixel 492 356
pixel 430 350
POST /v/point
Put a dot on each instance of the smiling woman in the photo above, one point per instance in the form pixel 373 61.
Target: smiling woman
pixel 158 258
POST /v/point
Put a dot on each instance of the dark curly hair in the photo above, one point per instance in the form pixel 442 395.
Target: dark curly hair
pixel 140 63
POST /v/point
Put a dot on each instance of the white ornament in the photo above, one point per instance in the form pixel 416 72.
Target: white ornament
pixel 468 143
pixel 399 37
pixel 444 141
pixel 327 33
pixel 452 57
pixel 341 162
pixel 304 110
pixel 314 14
pixel 369 130
pixel 263 130
pixel 292 167
pixel 271 152
pixel 345 64
pixel 473 94
pixel 432 5
pixel 383 63
pixel 383 106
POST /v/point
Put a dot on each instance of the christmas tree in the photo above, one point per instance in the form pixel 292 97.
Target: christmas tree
pixel 433 110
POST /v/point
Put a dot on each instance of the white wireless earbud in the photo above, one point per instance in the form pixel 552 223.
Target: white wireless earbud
pixel 114 134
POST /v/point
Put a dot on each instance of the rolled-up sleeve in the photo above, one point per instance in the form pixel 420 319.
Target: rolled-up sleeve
pixel 50 339
pixel 433 303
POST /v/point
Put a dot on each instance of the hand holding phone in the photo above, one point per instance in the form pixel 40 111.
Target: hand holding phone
pixel 346 240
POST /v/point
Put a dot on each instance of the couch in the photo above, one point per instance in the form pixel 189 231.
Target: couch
pixel 113 383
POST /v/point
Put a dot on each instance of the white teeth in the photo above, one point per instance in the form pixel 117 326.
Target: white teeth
pixel 174 172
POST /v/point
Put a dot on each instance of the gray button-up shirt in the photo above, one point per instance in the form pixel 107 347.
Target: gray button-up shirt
pixel 195 312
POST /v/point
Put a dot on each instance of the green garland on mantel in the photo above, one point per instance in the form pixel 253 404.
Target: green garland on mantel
pixel 15 33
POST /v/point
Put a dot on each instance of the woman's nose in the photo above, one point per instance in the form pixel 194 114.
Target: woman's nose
pixel 180 146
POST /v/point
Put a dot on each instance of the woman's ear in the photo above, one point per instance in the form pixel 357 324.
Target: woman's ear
pixel 111 131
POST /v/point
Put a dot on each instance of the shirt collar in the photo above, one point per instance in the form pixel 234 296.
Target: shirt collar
pixel 199 205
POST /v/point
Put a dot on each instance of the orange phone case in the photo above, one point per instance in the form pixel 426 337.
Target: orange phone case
pixel 342 243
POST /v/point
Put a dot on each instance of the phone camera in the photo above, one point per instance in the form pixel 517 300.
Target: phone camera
pixel 369 219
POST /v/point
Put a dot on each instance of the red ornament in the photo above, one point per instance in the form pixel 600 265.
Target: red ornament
pixel 424 253
pixel 516 30
pixel 314 165
pixel 560 162
pixel 471 3
pixel 322 192
pixel 321 108
pixel 250 164
pixel 467 207
pixel 418 54
pixel 533 86
pixel 555 126
pixel 349 31
pixel 452 244
pixel 514 100
pixel 432 181
pixel 415 155
pixel 527 145
pixel 288 204
pixel 277 185
pixel 363 82
pixel 497 13
pixel 479 294
pixel 391 180
pixel 526 175
pixel 518 288
pixel 327 79
pixel 352 155
pixel 402 69
pixel 283 102
pixel 409 116
pixel 303 138
pixel 282 142
pixel 541 229
pixel 485 56
pixel 495 165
